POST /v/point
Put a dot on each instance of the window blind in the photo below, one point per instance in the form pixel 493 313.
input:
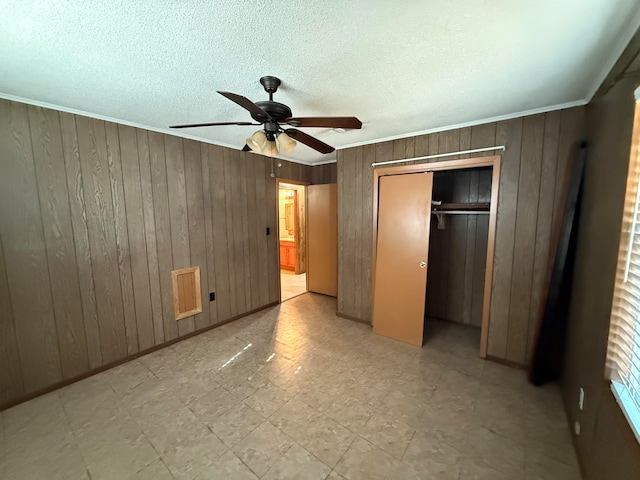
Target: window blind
pixel 623 353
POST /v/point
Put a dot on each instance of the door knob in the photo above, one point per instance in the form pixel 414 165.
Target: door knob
pixel 423 264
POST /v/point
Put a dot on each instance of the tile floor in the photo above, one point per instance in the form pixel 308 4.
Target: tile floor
pixel 295 392
pixel 291 284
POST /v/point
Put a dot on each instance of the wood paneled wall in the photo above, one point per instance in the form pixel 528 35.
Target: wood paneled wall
pixel 327 173
pixel 605 432
pixel 532 176
pixel 93 218
pixel 458 253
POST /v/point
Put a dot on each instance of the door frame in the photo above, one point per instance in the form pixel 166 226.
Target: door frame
pixel 280 180
pixel 463 163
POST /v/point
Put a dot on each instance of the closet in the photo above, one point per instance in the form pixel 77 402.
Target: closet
pixel 458 245
pixel 434 230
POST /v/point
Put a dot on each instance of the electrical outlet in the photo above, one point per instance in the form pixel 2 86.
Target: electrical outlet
pixel 581 401
pixel 577 428
pixel 212 296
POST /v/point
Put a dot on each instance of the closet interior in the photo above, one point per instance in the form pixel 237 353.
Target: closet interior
pixel 458 242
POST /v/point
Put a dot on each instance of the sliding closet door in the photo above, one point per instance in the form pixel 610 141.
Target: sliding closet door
pixel 322 239
pixel 404 211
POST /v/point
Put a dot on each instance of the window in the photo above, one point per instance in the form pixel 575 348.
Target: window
pixel 623 353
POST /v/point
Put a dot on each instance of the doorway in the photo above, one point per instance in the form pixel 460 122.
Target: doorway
pixel 404 206
pixel 292 239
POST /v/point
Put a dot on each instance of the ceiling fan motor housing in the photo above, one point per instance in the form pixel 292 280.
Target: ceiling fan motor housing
pixel 278 111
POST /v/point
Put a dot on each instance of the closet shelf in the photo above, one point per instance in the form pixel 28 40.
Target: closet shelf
pixel 461 208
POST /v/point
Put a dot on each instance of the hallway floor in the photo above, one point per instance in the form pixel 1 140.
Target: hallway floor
pixel 296 392
pixel 291 284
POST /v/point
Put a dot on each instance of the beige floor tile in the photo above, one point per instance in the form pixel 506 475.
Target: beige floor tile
pixel 117 450
pixel 297 464
pixel 57 457
pixel 475 469
pixel 235 424
pixel 351 413
pixel 365 461
pixel 294 418
pixel 327 440
pixel 542 467
pixel 496 451
pixel 444 425
pixel 156 471
pixel 209 406
pixel 426 457
pixel 185 444
pixel 319 380
pixel 387 433
pixel 551 440
pixel 262 448
pixel 292 284
pixel 335 476
pixel 228 466
pixel 266 400
pixel 127 376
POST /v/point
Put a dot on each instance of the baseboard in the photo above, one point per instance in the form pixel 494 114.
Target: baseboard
pixel 128 358
pixel 507 363
pixel 355 319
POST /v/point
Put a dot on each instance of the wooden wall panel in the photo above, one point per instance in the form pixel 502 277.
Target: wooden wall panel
pixel 196 220
pixel 246 242
pixel 46 141
pixel 80 229
pixel 122 236
pixel 11 384
pixel 525 237
pixel 205 160
pixel 162 230
pixel 25 256
pixel 94 216
pixel 92 147
pixel 255 231
pixel 134 211
pixel 521 196
pixel 220 237
pixel 272 240
pixel 178 215
pixel 146 190
pixel 544 225
pixel 260 228
pixel 508 133
pixel 327 173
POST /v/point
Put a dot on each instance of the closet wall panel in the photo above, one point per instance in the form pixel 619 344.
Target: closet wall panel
pixel 523 211
pixel 93 218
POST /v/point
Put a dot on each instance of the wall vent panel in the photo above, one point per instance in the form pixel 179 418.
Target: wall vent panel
pixel 187 299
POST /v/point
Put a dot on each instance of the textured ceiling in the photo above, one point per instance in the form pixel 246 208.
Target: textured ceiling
pixel 401 67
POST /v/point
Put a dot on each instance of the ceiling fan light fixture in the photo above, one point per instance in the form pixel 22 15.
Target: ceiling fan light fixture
pixel 270 149
pixel 257 141
pixel 286 143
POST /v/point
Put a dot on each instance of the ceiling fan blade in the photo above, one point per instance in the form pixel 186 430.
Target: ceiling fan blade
pixel 329 122
pixel 309 141
pixel 212 124
pixel 247 104
pixel 246 148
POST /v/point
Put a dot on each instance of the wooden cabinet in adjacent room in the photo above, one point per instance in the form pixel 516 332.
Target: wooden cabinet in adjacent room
pixel 288 255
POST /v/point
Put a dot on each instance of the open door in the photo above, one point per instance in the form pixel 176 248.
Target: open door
pixel 404 219
pixel 322 240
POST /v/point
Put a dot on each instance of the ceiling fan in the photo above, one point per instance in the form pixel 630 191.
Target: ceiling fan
pixel 273 138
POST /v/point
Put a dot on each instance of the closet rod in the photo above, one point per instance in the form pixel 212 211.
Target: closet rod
pixel 462 152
